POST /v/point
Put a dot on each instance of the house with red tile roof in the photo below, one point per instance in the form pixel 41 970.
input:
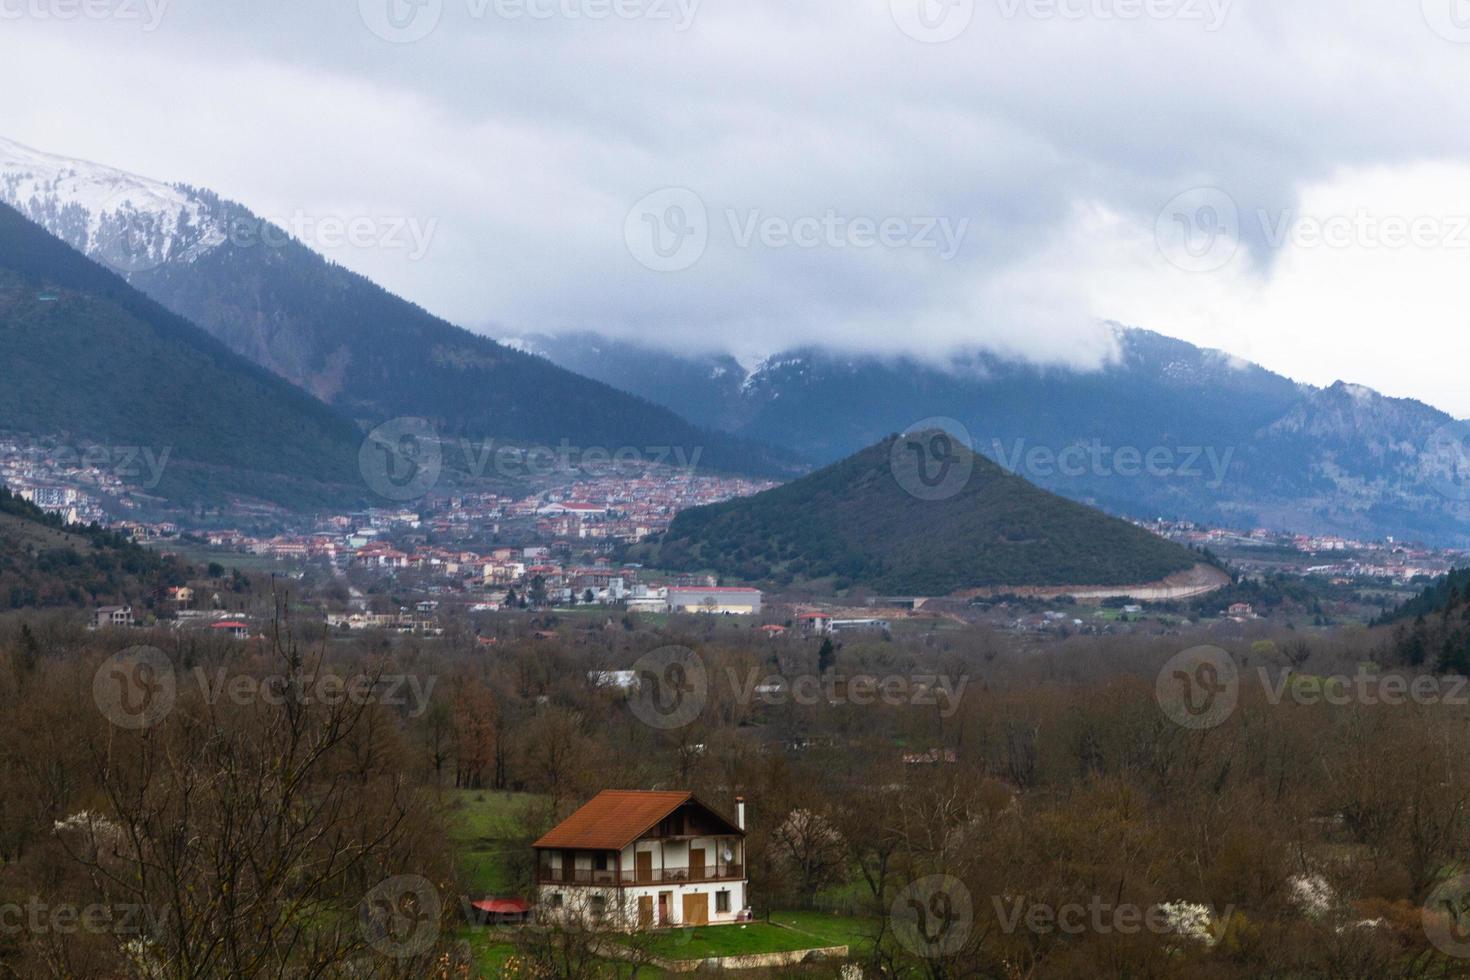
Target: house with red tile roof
pixel 636 860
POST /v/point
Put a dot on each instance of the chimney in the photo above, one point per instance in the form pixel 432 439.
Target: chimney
pixel 740 812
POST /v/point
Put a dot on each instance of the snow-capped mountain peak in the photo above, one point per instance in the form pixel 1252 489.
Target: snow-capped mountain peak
pixel 128 222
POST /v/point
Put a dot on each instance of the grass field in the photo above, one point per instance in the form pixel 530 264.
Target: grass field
pixel 786 932
pixel 488 830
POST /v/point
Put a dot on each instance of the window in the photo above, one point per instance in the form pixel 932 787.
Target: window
pixel 557 900
pixel 600 861
pixel 597 905
pixel 722 901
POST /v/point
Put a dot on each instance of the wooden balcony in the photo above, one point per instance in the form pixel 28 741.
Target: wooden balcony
pixel 656 876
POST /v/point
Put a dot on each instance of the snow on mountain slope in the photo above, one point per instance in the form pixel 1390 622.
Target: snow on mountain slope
pixel 128 222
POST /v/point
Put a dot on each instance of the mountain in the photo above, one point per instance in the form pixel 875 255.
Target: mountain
pixel 92 362
pixel 333 333
pixel 916 514
pixel 44 562
pixel 1234 444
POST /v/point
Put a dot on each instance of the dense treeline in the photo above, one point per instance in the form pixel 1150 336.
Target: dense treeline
pixel 860 523
pixel 1300 837
pixel 1447 590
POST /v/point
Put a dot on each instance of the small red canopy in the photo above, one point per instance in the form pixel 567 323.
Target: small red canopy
pixel 503 906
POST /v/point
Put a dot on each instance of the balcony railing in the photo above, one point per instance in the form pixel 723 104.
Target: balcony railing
pixel 655 876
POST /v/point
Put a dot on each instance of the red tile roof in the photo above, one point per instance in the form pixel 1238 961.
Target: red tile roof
pixel 615 818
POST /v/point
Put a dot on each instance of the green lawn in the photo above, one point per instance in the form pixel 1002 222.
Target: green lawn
pixel 488 829
pixel 786 932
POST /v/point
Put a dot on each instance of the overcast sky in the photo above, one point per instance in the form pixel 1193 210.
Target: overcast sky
pixel 1287 181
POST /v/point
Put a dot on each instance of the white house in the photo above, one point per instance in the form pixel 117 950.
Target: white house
pixel 632 859
pixel 105 616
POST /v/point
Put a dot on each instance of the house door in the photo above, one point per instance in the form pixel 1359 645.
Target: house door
pixel 645 911
pixel 664 898
pixel 696 864
pixel 643 866
pixel 696 910
pixel 568 865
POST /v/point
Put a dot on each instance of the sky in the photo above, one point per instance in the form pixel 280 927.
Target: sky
pixel 1289 182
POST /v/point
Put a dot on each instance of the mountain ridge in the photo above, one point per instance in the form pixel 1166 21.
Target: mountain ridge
pixel 1341 459
pixel 368 353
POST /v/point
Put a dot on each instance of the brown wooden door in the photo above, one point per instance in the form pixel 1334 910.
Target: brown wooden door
pixel 645 911
pixel 696 863
pixel 568 865
pixel 643 865
pixel 696 910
